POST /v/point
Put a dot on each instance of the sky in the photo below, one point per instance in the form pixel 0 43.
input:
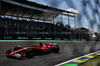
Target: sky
pixel 88 16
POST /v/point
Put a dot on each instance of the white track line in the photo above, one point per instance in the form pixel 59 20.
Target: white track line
pixel 73 59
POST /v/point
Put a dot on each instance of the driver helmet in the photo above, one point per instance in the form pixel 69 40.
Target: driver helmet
pixel 19 45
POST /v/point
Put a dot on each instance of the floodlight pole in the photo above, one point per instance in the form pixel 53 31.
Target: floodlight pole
pixel 53 18
pixel 74 22
pixel 54 27
pixel 61 18
pixel 68 20
pixel 60 28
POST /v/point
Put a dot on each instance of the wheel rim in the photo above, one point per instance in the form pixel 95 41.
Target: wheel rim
pixel 31 53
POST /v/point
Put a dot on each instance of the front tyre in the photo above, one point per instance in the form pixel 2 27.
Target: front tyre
pixel 29 53
pixel 8 52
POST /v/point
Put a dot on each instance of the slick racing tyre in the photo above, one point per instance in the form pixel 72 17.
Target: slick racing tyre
pixel 23 56
pixel 29 53
pixel 55 49
pixel 8 52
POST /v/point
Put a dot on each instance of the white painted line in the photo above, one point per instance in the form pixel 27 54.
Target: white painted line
pixel 73 59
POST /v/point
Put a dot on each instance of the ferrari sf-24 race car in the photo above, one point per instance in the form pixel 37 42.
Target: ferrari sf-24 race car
pixel 29 52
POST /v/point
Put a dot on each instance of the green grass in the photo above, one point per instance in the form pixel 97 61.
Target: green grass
pixel 69 65
pixel 41 41
pixel 34 41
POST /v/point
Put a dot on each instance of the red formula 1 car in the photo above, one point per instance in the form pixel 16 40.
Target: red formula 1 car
pixel 28 52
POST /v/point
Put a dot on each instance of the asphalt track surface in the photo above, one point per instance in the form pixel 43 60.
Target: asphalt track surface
pixel 68 50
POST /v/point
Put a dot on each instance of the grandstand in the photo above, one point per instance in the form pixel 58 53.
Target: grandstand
pixel 22 19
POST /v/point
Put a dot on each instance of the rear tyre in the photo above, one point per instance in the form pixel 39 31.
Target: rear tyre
pixel 55 49
pixel 29 53
pixel 8 52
